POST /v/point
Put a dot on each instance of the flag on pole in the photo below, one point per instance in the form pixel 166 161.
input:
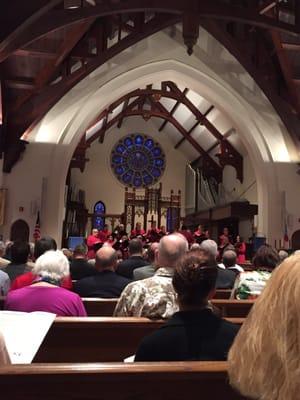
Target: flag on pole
pixel 37 228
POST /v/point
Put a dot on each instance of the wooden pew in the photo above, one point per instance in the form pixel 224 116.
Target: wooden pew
pixel 233 308
pixel 222 294
pixel 96 307
pixel 112 381
pixel 94 339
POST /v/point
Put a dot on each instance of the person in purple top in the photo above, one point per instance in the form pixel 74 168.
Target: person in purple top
pixel 45 293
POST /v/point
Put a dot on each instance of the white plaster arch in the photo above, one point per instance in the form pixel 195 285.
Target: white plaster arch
pixel 245 117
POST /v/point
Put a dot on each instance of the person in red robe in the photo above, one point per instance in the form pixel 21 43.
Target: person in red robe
pixel 240 247
pixel 104 234
pixel 187 234
pixel 138 231
pixel 153 234
pixel 90 242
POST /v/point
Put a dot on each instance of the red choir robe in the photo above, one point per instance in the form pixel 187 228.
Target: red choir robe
pixel 90 242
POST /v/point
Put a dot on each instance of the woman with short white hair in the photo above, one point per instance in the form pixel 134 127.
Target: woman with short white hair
pixel 45 293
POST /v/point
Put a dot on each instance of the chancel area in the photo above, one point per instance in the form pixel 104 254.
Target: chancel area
pixel 149 199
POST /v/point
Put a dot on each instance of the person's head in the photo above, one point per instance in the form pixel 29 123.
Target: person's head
pixel 194 282
pixel 225 231
pixel 151 252
pixel 20 252
pixel 225 240
pixel 264 359
pixel 239 239
pixel 283 255
pixel 209 248
pixel 135 247
pixel 163 229
pixel 80 251
pixel 46 243
pixel 121 227
pixel 106 259
pixel 95 232
pixel 2 248
pixel 52 265
pixel 266 257
pixel 200 228
pixel 229 258
pixel 195 247
pixel 68 253
pixel 170 250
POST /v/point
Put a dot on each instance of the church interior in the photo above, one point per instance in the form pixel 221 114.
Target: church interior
pixel 147 122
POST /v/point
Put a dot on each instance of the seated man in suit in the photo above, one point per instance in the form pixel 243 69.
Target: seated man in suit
pixel 155 297
pixel 135 259
pixel 105 283
pixel 195 332
pixel 80 267
pixel 225 277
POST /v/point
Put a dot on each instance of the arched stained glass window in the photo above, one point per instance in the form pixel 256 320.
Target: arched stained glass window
pixel 137 161
pixel 99 221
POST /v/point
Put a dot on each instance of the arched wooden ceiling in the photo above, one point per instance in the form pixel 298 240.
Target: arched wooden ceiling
pixel 46 48
pixel 151 103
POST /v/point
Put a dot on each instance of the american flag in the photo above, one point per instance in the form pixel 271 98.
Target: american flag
pixel 37 228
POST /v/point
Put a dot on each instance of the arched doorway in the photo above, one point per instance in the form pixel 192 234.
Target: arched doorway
pixel 296 240
pixel 19 231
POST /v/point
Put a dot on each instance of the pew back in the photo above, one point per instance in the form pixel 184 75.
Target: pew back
pixel 140 381
pixel 99 307
pixel 96 339
pixel 233 308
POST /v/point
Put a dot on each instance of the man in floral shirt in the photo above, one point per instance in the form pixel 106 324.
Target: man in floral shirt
pixel 155 297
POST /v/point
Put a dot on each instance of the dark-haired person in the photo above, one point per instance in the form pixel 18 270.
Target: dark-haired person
pixel 104 282
pixel 135 259
pixel 19 257
pixel 79 267
pixel 153 234
pixel 195 332
pixel 148 270
pixel 43 245
pixel 249 285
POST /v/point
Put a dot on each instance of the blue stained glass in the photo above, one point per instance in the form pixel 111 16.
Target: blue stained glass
pixel 149 144
pixel 117 159
pixel 138 140
pixel 120 149
pixel 148 180
pixel 120 170
pixel 137 161
pixel 156 151
pixel 98 222
pixel 159 162
pixel 128 142
pixel 155 172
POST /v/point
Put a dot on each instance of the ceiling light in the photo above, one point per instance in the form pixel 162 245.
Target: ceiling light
pixel 72 4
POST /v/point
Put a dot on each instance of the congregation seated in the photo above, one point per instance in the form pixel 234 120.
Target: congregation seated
pixel 45 293
pixel 4 357
pixel 155 297
pixel 195 332
pixel 135 259
pixel 41 246
pixel 148 270
pixel 229 260
pixel 79 267
pixel 105 282
pixel 225 277
pixel 264 358
pixel 19 253
pixel 249 285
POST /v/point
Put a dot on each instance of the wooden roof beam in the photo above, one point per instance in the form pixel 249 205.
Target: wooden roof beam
pixel 174 109
pixel 194 127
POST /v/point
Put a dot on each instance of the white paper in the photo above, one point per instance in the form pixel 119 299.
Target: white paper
pixel 129 359
pixel 24 333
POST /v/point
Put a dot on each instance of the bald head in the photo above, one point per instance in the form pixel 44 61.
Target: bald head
pixel 106 258
pixel 170 250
